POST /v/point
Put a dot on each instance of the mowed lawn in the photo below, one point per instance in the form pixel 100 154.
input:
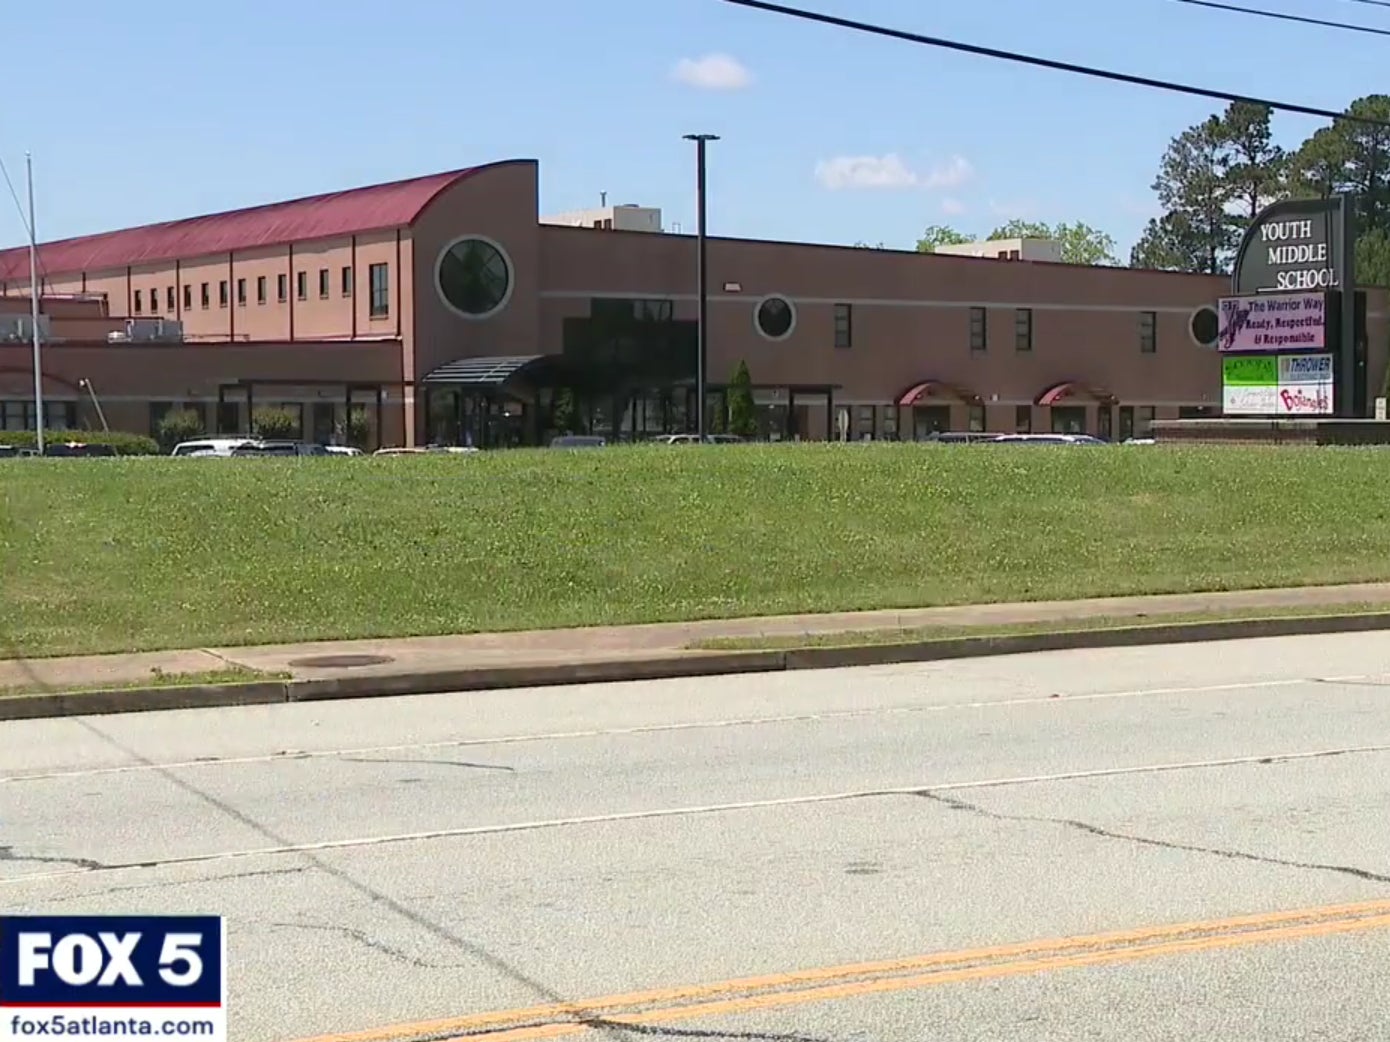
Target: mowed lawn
pixel 135 554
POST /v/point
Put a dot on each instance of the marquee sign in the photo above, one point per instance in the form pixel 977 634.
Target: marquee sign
pixel 1293 246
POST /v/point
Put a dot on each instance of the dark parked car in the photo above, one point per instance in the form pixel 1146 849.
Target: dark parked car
pixel 578 441
pixel 77 448
pixel 279 448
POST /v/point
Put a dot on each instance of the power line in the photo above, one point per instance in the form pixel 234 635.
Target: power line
pixel 1373 3
pixel 24 219
pixel 1283 17
pixel 1049 63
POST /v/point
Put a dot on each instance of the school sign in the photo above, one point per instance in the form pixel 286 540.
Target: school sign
pixel 1292 335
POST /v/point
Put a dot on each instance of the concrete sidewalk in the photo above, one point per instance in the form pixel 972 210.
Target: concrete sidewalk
pixel 668 642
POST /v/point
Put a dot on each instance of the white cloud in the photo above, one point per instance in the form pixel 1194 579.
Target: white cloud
pixel 952 207
pixel 712 72
pixel 890 171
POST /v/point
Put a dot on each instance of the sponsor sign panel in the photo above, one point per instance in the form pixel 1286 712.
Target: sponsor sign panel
pixel 1275 322
pixel 1277 385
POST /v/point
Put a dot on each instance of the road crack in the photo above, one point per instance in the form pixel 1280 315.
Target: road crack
pixel 365 939
pixel 8 855
pixel 88 895
pixel 1095 830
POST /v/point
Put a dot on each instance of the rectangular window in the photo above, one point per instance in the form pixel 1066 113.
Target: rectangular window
pixel 158 410
pixel 282 287
pixel 323 283
pixel 301 285
pixel 154 299
pixel 1148 332
pixel 1023 419
pixel 19 416
pixel 1126 422
pixel 380 277
pixel 171 299
pixel 187 297
pixel 260 289
pixel 655 310
pixel 1144 427
pixel 979 329
pixel 612 309
pixel 1023 329
pixel 222 294
pixel 975 418
pixel 139 301
pixel 844 325
pixel 241 292
pixel 347 280
pixel 207 300
pixel 229 417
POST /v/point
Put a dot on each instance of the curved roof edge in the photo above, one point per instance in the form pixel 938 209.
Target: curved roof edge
pixel 327 215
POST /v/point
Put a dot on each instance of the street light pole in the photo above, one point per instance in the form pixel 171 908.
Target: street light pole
pixel 701 281
pixel 34 288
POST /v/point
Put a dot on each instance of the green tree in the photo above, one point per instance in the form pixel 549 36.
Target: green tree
pixel 1081 244
pixel 743 419
pixel 936 235
pixel 1213 179
pixel 275 423
pixel 1170 243
pixel 178 425
pixel 1351 158
pixel 1253 167
pixel 1195 194
pixel 564 415
pixel 358 430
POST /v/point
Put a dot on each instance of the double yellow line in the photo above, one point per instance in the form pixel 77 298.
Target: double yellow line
pixel 777 991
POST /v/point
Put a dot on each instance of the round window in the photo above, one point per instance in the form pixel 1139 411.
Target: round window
pixel 475 277
pixel 775 318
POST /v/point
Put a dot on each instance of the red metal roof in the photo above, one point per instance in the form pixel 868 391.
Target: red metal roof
pixel 330 215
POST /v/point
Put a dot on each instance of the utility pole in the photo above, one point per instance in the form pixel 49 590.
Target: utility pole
pixel 34 308
pixel 701 281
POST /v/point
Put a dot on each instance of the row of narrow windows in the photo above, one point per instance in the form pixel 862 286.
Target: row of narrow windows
pixel 378 278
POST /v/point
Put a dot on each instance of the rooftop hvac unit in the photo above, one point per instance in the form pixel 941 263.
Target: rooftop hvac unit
pixel 150 329
pixel 21 327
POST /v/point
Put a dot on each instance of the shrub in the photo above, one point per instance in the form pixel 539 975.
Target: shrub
pixel 743 418
pixel 275 423
pixel 178 425
pixel 359 428
pixel 124 443
pixel 565 413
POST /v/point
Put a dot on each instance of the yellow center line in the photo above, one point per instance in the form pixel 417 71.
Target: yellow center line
pixel 749 994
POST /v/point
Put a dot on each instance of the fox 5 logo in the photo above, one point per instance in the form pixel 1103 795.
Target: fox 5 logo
pixel 112 961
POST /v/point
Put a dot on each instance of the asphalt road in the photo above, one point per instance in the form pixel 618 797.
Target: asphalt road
pixel 1153 843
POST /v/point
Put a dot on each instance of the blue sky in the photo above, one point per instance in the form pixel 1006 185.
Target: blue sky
pixel 150 109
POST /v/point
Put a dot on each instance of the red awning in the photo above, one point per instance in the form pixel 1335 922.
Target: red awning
pixel 935 389
pixel 1069 389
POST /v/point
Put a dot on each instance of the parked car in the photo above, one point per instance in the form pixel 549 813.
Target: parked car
pixel 209 446
pixel 963 437
pixel 578 441
pixel 279 448
pixel 1047 439
pixel 694 439
pixel 78 449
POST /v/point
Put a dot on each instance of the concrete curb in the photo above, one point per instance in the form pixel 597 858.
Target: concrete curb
pixel 662 667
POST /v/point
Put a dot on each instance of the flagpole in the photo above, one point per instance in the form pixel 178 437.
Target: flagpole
pixel 34 306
